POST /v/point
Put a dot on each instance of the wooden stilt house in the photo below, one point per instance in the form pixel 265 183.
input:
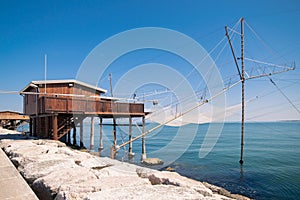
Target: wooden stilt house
pixel 11 119
pixel 57 106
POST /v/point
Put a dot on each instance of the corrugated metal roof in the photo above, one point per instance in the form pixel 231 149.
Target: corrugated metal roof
pixel 63 81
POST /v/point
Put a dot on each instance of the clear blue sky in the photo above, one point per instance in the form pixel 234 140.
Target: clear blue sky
pixel 68 30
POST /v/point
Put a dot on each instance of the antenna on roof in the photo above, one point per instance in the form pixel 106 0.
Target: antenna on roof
pixel 45 71
pixel 110 83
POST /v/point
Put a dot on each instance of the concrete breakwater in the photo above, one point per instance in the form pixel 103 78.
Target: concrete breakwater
pixel 54 171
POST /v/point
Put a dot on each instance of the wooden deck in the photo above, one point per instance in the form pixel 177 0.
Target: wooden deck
pixel 106 109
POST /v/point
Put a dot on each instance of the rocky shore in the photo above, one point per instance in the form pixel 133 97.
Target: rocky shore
pixel 55 171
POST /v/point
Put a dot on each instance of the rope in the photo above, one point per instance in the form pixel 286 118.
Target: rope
pixel 266 63
pixel 8 92
pixel 217 57
pixel 263 42
pixel 199 93
pixel 285 96
pixel 190 73
pixel 182 114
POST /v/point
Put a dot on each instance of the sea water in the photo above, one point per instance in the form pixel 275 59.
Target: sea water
pixel 271 168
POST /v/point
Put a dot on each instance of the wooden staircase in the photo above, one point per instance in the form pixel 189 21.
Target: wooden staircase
pixel 65 124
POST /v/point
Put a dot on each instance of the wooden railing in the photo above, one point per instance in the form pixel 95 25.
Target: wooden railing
pixel 90 106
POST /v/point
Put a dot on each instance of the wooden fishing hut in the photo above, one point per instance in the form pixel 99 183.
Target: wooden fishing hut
pixel 56 107
pixel 11 119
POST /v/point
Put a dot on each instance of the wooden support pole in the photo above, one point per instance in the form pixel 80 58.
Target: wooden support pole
pixel 34 127
pixel 74 134
pixel 113 149
pixel 243 92
pixel 81 133
pixel 30 127
pixel 36 124
pixel 13 124
pixel 54 126
pixel 37 127
pixel 130 137
pixel 92 134
pixel 69 137
pixel 101 134
pixel 114 132
pixel 47 127
pixel 114 122
pixel 112 152
pixel 143 141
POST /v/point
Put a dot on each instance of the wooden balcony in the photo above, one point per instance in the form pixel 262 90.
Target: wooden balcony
pixel 92 106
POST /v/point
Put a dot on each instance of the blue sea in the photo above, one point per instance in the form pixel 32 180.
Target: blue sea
pixel 271 168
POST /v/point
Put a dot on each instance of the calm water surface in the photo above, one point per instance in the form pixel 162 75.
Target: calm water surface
pixel 272 157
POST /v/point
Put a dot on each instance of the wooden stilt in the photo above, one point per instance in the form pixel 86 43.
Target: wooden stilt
pixel 34 127
pixel 143 141
pixel 38 127
pixel 30 127
pixel 47 134
pixel 13 124
pixel 115 132
pixel 74 134
pixel 112 152
pixel 54 126
pixel 92 134
pixel 36 124
pixel 130 137
pixel 81 133
pixel 69 137
pixel 101 132
pixel 243 92
pixel 113 149
pixel 114 120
